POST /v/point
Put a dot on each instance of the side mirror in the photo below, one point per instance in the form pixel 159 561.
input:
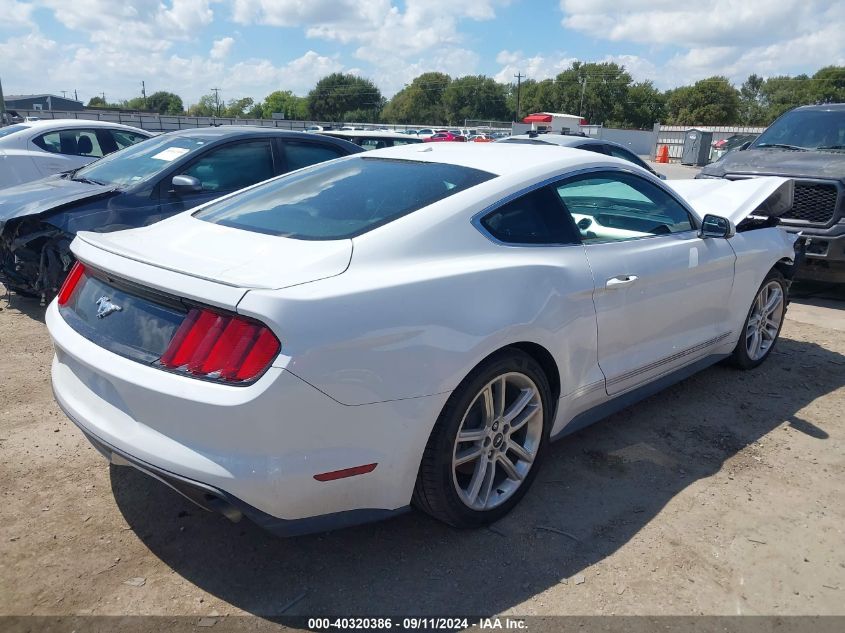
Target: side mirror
pixel 185 184
pixel 716 226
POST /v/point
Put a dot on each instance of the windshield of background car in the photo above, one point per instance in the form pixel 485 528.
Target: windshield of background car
pixel 11 129
pixel 141 161
pixel 341 199
pixel 806 129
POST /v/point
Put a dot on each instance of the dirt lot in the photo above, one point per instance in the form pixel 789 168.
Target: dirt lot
pixel 722 495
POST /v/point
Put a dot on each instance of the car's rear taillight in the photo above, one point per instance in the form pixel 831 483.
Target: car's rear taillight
pixel 226 347
pixel 71 281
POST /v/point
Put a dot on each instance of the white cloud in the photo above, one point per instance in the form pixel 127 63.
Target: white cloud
pixel 726 37
pixel 15 15
pixel 536 67
pixel 221 48
pixel 382 31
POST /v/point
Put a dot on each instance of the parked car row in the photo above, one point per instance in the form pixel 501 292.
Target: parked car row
pixel 144 183
pixel 359 332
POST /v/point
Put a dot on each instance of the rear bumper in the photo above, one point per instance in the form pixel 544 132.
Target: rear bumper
pixel 215 500
pixel 253 450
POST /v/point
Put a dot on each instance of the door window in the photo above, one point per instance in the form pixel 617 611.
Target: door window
pixel 71 142
pixel 535 218
pixel 615 206
pixel 301 155
pixel 233 166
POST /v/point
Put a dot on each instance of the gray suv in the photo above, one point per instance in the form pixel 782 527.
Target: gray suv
pixel 808 145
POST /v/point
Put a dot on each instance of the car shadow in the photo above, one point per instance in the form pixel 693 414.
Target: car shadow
pixel 25 305
pixel 597 489
pixel 819 294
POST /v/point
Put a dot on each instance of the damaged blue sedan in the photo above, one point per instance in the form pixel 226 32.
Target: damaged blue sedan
pixel 137 186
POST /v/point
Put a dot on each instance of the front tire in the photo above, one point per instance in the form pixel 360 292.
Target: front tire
pixel 487 443
pixel 763 324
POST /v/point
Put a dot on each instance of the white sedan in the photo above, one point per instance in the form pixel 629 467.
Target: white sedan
pixel 408 326
pixel 35 149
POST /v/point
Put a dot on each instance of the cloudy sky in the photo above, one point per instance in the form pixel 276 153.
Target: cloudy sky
pixel 252 47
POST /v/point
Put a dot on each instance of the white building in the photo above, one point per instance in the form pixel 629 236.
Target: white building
pixel 554 122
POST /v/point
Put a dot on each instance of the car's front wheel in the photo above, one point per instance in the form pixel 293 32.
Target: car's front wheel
pixel 487 443
pixel 763 323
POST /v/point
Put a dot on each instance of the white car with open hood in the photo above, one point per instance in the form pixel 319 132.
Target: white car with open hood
pixel 408 326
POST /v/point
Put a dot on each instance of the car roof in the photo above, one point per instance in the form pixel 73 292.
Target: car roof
pixel 55 124
pixel 823 106
pixel 363 133
pixel 494 158
pixel 564 140
pixel 233 131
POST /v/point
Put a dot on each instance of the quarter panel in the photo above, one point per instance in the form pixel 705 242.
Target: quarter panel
pixel 418 327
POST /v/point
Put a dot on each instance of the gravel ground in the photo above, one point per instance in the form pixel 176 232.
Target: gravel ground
pixel 722 495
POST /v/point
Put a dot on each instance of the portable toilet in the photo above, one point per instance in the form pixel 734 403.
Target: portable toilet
pixel 696 147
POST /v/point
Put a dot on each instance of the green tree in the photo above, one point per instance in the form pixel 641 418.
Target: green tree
pixel 602 88
pixel 711 101
pixel 338 94
pixel 644 106
pixel 206 106
pixel 96 102
pixel 828 85
pixel 752 109
pixel 475 97
pixel 419 102
pixel 783 93
pixel 165 103
pixel 286 103
pixel 237 108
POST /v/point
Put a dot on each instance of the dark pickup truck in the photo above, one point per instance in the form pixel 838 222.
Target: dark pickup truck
pixel 808 145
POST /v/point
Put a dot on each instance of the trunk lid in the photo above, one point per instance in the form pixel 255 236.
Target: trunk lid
pixel 225 255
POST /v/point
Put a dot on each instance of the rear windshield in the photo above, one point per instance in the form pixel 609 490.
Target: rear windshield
pixel 11 129
pixel 341 199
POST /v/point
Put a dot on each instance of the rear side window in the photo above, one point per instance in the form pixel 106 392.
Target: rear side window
pixel 70 142
pixel 301 155
pixel 535 218
pixel 341 199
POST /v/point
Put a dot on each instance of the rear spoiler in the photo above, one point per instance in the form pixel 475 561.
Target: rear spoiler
pixel 736 199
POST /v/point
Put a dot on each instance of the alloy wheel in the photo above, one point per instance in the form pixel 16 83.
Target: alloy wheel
pixel 497 441
pixel 765 319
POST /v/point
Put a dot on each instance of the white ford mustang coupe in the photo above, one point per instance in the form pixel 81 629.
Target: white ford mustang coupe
pixel 408 326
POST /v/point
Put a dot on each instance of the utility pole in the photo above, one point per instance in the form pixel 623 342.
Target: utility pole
pixel 216 92
pixel 519 77
pixel 144 93
pixel 64 94
pixel 104 99
pixel 2 107
pixel 75 97
pixel 583 88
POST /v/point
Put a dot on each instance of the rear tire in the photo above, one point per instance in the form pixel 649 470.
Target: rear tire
pixel 502 412
pixel 763 323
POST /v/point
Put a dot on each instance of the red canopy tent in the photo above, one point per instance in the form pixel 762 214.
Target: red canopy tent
pixel 538 118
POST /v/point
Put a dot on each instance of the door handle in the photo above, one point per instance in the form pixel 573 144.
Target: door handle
pixel 620 280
